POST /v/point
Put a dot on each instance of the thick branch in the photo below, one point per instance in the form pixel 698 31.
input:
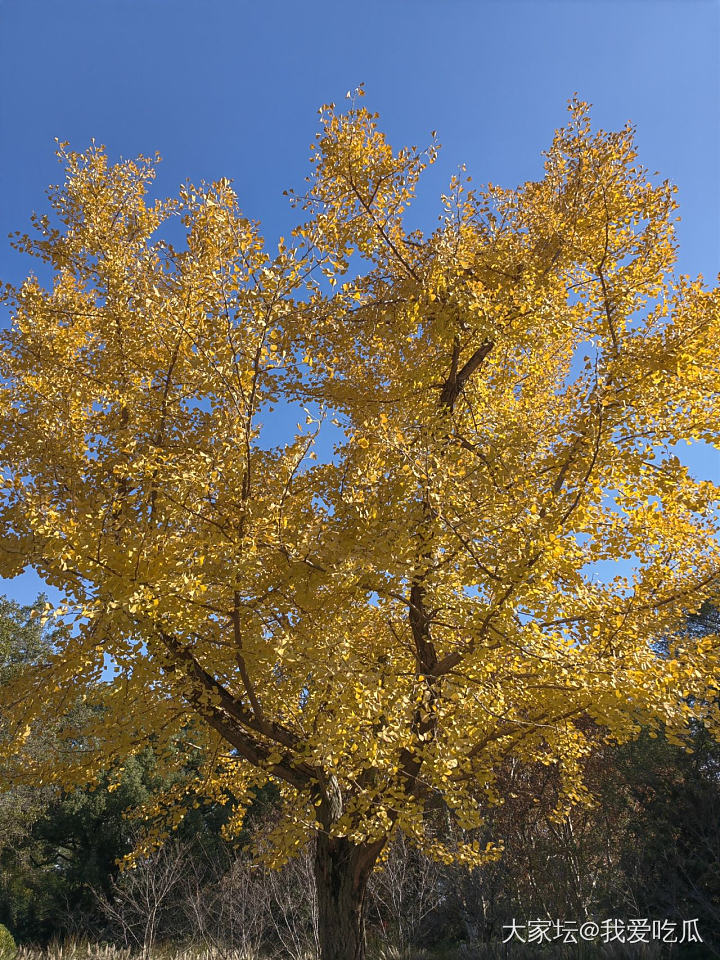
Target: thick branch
pixel 420 626
pixel 456 380
pixel 223 712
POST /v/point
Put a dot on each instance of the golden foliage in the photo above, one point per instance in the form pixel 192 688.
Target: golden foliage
pixel 388 621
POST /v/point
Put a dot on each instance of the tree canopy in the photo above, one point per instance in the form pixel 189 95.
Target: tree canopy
pixel 381 606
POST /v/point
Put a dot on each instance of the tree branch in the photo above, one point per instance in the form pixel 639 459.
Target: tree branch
pixel 456 381
pixel 223 712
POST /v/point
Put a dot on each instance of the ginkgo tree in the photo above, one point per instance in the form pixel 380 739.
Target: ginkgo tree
pixel 378 608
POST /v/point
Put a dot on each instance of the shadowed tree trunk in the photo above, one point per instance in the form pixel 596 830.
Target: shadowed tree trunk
pixel 342 870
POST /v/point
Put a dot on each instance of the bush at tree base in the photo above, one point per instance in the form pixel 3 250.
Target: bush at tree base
pixel 7 944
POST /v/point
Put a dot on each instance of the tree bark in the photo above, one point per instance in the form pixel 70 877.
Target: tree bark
pixel 342 870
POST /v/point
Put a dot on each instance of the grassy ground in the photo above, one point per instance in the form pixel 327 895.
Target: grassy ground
pixel 376 951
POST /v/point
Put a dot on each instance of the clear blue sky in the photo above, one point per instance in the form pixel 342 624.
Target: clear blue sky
pixel 229 88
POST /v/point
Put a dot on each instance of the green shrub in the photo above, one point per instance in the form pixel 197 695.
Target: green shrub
pixel 7 944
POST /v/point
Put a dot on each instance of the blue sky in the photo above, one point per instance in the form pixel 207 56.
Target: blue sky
pixel 229 88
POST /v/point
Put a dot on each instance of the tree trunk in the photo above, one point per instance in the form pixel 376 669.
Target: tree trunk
pixel 342 870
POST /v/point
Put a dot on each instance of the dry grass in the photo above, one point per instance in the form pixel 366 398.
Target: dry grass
pixel 79 950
